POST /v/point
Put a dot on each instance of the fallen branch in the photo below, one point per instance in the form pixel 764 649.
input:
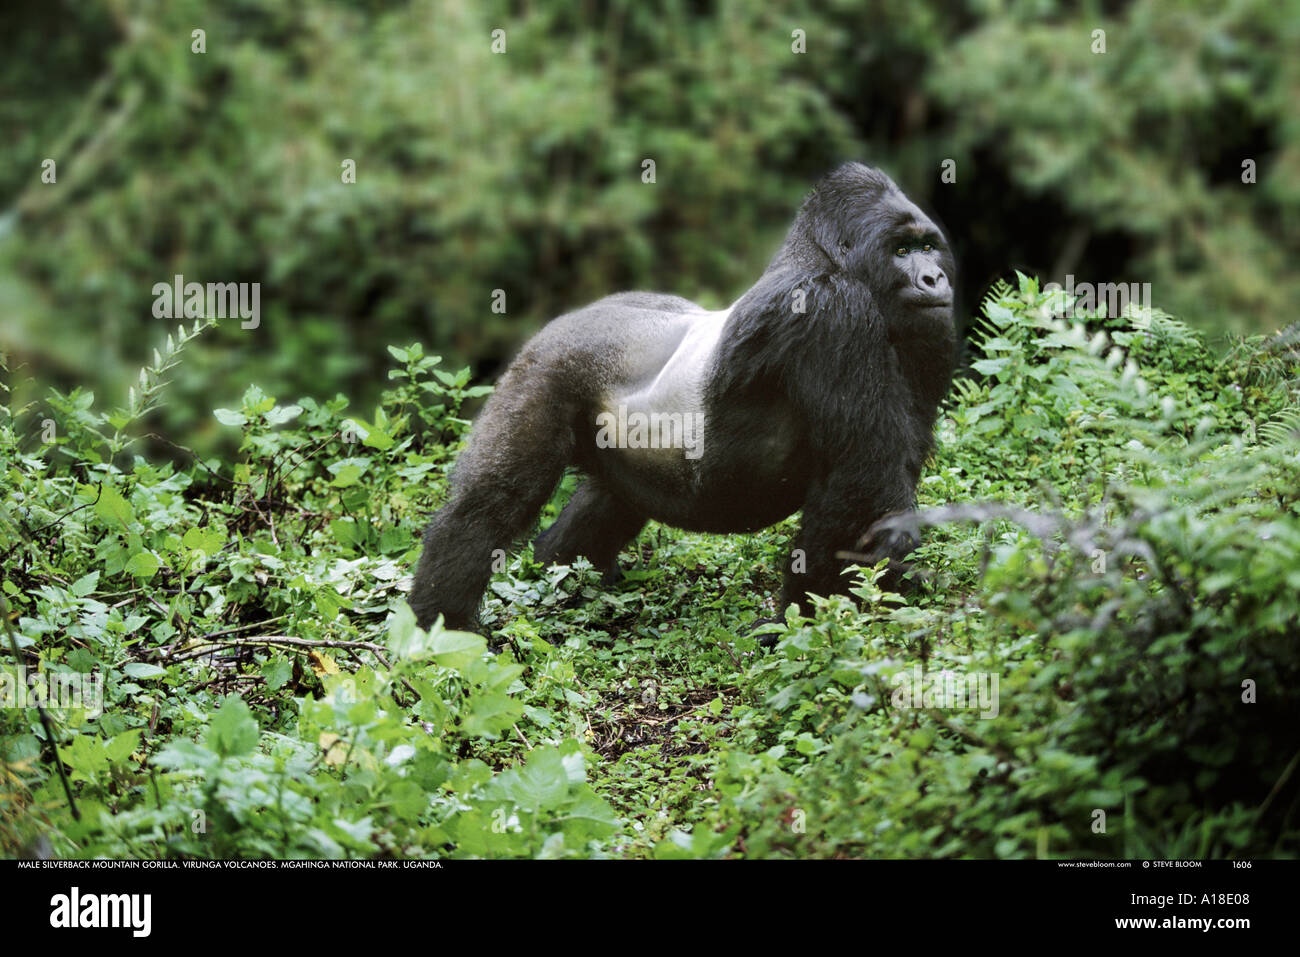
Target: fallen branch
pixel 273 641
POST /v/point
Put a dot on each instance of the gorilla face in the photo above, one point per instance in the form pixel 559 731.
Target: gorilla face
pixel 904 259
pixel 865 231
pixel 921 281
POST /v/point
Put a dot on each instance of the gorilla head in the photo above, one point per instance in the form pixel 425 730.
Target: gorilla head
pixel 856 223
pixel 816 390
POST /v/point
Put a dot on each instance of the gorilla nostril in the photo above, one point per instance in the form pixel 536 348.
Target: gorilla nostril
pixel 930 279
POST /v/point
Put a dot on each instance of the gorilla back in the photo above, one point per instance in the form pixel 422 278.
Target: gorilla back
pixel 816 390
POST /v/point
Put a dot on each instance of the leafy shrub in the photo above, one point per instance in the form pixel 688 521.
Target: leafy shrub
pixel 215 602
pixel 1145 629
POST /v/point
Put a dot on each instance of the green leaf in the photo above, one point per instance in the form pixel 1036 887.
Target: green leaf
pixel 283 413
pixel 378 439
pixel 542 783
pixel 85 756
pixel 277 673
pixel 374 434
pixel 990 366
pixel 327 602
pixel 490 714
pixel 113 508
pixel 345 531
pixel 592 812
pixel 84 585
pixel 121 746
pixel 405 639
pixel 205 539
pixel 233 730
pixel 142 565
pixel 347 475
pixel 141 670
pixel 456 649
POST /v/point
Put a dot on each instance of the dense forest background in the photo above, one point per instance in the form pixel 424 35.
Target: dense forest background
pixel 207 531
pixel 521 170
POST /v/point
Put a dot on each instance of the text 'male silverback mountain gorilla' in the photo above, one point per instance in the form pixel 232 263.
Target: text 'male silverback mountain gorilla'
pixel 816 390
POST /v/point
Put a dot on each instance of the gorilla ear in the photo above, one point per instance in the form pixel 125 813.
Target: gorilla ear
pixel 803 252
pixel 828 263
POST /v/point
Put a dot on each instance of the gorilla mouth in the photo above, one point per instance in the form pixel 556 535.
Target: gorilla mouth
pixel 919 301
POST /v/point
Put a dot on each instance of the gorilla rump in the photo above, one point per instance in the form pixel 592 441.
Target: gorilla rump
pixel 816 390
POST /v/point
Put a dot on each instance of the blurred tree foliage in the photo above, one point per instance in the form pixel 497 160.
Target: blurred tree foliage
pixel 522 171
pixel 1138 153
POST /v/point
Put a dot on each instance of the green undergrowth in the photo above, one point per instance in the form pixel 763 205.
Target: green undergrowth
pixel 1110 533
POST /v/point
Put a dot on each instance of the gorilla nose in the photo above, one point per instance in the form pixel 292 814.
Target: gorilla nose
pixel 933 280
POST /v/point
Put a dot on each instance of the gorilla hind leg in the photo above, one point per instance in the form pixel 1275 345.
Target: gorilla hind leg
pixel 595 525
pixel 515 457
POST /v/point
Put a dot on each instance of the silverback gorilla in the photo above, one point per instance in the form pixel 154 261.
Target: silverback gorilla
pixel 816 390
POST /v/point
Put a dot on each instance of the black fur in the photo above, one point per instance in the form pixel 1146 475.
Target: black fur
pixel 830 409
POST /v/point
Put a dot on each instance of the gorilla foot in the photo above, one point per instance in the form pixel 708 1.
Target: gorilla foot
pixel 769 639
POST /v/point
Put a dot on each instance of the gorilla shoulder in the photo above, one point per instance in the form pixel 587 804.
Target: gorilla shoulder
pixel 651 301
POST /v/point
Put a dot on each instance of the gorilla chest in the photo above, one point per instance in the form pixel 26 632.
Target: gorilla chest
pixel 653 416
pixel 733 483
pixel 665 449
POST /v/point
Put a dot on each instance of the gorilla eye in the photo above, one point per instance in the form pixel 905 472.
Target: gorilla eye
pixel 926 248
pixel 900 251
